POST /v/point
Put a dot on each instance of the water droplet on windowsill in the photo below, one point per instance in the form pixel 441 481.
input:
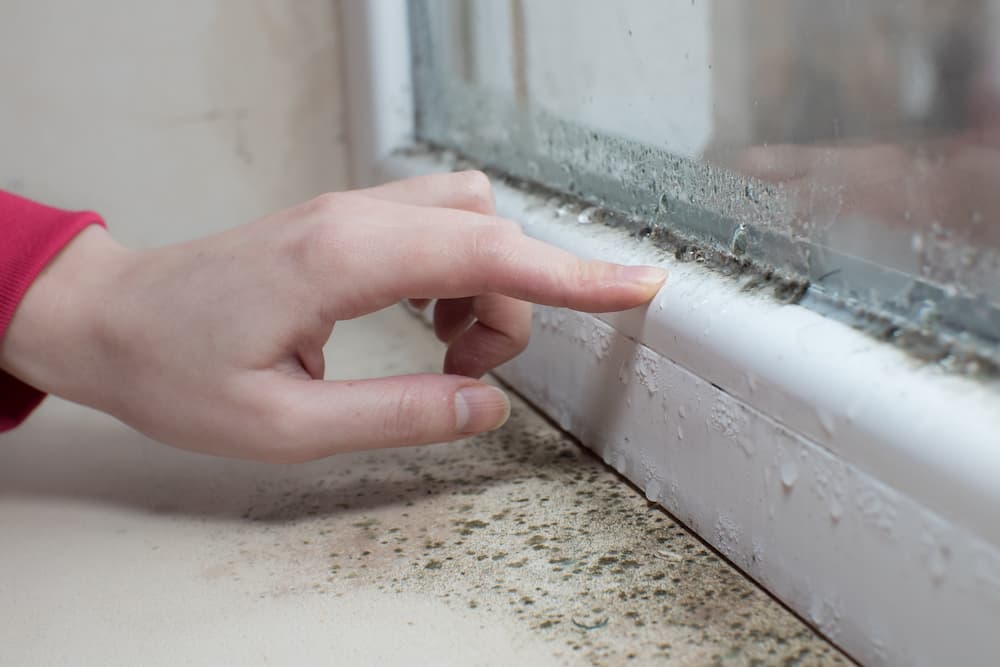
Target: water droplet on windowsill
pixel 836 510
pixel 789 475
pixel 827 421
pixel 587 215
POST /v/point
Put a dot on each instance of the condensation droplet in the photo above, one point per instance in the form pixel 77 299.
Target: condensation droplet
pixel 682 412
pixel 740 240
pixel 928 314
pixel 789 474
pixel 565 420
pixel 653 490
pixel 917 243
pixel 680 433
pixel 827 421
pixel 836 509
pixel 587 215
pixel 938 557
pixel 752 382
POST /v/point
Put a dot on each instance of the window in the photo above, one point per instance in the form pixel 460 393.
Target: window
pixel 852 146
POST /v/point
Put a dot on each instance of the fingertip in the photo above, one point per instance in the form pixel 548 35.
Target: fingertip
pixel 480 408
pixel 644 276
pixel 644 283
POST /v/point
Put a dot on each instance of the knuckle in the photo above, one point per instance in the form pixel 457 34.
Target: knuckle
pixel 489 253
pixel 403 417
pixel 326 203
pixel 492 241
pixel 587 271
pixel 573 278
pixel 477 190
pixel 318 241
pixel 322 237
pixel 519 338
pixel 512 227
pixel 277 435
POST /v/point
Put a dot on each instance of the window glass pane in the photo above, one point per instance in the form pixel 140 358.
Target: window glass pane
pixel 850 144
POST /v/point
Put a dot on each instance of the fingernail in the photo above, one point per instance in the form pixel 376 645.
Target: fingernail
pixel 643 275
pixel 480 408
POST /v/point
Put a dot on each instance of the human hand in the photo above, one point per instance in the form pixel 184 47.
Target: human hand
pixel 216 345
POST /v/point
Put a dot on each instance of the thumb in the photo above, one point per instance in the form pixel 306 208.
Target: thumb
pixel 327 418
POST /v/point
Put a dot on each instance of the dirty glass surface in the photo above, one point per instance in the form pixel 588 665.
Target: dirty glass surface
pixel 852 145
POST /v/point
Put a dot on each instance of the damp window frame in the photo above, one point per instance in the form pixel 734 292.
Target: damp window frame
pixel 483 111
pixel 795 376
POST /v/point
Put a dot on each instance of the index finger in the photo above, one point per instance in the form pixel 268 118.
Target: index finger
pixel 421 252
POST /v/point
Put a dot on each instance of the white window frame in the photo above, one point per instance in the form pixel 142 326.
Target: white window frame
pixel 819 461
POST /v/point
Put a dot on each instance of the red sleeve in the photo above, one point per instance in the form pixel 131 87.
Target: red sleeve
pixel 31 234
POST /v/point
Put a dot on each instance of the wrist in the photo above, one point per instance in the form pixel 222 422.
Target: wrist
pixel 52 341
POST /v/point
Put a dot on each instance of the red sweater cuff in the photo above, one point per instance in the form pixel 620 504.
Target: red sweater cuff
pixel 31 235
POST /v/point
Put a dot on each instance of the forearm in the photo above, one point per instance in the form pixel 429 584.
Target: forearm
pixel 31 237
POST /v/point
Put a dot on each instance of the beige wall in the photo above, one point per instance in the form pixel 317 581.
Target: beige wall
pixel 173 119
